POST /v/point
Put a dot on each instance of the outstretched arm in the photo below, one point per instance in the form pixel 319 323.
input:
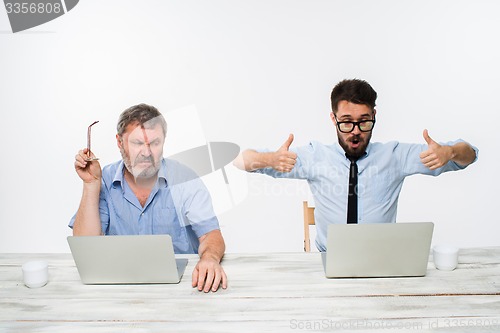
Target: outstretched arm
pixel 281 160
pixel 437 156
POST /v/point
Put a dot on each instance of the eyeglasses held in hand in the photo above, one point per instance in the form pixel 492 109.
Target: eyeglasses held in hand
pixel 89 158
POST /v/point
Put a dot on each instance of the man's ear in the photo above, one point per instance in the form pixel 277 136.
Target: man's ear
pixel 119 142
pixel 332 116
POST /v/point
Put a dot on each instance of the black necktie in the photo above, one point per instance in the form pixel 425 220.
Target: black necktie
pixel 352 199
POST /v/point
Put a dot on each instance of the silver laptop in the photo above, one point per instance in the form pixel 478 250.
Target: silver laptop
pixel 126 259
pixel 377 250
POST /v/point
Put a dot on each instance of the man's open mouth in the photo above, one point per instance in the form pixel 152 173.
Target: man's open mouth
pixel 355 141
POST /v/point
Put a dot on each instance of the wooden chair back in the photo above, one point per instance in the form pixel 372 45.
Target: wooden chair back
pixel 308 221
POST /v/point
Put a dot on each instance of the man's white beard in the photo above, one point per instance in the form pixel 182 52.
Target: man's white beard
pixel 139 174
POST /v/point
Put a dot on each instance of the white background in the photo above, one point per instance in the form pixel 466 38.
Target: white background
pixel 255 71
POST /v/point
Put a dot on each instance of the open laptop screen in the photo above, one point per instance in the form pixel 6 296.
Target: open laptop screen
pixel 378 250
pixel 126 259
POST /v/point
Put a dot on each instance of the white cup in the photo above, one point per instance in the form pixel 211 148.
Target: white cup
pixel 445 257
pixel 35 273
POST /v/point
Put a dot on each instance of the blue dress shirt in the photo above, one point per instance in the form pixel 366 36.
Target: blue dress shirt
pixel 179 205
pixel 381 173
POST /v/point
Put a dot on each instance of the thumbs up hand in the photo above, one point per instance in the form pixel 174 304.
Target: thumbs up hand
pixel 286 146
pixel 436 155
pixel 284 160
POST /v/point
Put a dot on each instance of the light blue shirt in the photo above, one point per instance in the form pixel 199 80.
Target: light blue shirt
pixel 179 205
pixel 381 173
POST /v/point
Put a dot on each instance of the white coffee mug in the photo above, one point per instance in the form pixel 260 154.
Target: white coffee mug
pixel 445 257
pixel 35 273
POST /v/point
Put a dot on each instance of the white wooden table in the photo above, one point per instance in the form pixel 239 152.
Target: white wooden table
pixel 285 292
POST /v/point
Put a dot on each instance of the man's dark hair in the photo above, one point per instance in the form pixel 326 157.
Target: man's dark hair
pixel 355 91
pixel 142 115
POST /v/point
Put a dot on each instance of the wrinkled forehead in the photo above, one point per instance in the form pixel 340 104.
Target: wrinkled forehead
pixel 147 132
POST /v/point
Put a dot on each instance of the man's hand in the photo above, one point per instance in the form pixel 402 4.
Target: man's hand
pixel 284 160
pixel 209 275
pixel 88 171
pixel 281 160
pixel 436 155
pixel 87 220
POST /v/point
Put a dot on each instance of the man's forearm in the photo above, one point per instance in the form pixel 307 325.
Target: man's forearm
pixel 212 246
pixel 463 153
pixel 250 160
pixel 87 220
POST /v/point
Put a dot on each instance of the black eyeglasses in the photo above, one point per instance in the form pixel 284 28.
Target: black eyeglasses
pixel 348 126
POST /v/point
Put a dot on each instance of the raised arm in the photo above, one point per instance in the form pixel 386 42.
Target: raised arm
pixel 208 273
pixel 281 160
pixel 87 221
pixel 437 155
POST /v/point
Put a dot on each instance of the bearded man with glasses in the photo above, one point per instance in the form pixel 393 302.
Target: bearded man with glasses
pixel 380 168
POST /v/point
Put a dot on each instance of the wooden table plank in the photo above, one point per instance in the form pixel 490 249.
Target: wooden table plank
pixel 168 309
pixel 275 275
pixel 267 293
pixel 463 325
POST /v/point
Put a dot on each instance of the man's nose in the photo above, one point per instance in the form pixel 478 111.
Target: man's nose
pixel 146 150
pixel 356 130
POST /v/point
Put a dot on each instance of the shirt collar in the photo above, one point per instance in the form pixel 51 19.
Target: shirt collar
pixel 118 178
